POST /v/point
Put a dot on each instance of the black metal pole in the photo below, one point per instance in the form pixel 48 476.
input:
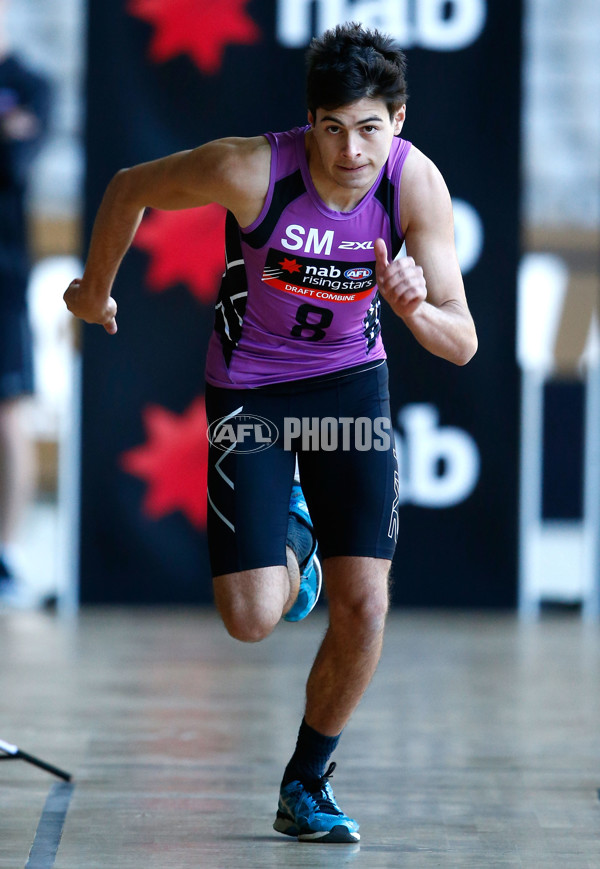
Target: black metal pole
pixel 12 751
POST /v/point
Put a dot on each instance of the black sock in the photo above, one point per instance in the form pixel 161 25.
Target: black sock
pixel 300 540
pixel 309 760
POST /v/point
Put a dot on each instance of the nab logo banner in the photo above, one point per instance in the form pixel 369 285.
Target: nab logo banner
pixel 439 465
pixel 436 25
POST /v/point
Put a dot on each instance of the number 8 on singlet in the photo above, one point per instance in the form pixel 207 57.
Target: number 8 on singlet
pixel 316 328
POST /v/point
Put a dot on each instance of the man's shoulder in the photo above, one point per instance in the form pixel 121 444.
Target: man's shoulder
pixel 417 161
pixel 423 190
pixel 240 170
pixel 234 157
pixel 420 171
pixel 244 150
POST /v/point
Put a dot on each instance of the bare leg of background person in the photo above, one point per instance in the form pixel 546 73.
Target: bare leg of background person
pixel 17 471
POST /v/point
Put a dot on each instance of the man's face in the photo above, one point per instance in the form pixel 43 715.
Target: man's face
pixel 354 141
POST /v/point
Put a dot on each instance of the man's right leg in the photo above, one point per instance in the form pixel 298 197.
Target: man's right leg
pixel 256 574
pixel 251 602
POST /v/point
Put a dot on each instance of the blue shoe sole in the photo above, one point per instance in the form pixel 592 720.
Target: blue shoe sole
pixel 291 616
pixel 338 835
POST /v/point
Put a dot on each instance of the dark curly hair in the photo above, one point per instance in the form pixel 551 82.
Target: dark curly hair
pixel 351 62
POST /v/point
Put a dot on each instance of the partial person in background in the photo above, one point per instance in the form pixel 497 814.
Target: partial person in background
pixel 24 109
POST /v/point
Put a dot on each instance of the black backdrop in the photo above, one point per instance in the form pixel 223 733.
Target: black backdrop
pixel 160 81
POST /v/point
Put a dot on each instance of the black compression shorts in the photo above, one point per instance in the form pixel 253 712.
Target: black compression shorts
pixel 341 432
pixel 16 353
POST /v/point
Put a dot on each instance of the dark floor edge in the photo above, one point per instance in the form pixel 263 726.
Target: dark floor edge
pixel 49 830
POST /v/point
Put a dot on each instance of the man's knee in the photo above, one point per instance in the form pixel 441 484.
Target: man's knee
pixel 250 603
pixel 248 624
pixel 361 608
pixel 362 616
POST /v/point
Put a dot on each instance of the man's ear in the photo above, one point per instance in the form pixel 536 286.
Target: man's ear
pixel 399 119
pixel 311 120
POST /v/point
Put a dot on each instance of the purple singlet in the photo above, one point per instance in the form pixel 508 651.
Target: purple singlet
pixel 298 298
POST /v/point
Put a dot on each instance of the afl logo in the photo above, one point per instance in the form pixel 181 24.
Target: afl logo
pixel 358 273
pixel 242 433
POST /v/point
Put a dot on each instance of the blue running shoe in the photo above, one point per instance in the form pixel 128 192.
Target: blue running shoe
pixel 311 575
pixel 314 816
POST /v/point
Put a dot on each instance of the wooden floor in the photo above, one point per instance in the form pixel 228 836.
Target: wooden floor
pixel 477 745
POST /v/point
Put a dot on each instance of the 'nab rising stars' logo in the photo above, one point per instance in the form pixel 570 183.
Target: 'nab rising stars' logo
pixel 326 279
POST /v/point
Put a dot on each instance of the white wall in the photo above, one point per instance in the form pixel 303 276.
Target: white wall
pixel 561 116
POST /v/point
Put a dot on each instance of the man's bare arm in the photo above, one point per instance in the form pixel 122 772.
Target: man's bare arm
pixel 231 172
pixel 425 288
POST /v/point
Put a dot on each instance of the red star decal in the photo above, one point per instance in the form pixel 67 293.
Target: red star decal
pixel 173 462
pixel 200 28
pixel 290 265
pixel 185 247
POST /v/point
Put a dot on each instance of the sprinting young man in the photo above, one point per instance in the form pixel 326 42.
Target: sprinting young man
pixel 316 218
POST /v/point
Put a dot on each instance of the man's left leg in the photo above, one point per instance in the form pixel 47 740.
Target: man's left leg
pixel 352 493
pixel 344 666
pixel 357 589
